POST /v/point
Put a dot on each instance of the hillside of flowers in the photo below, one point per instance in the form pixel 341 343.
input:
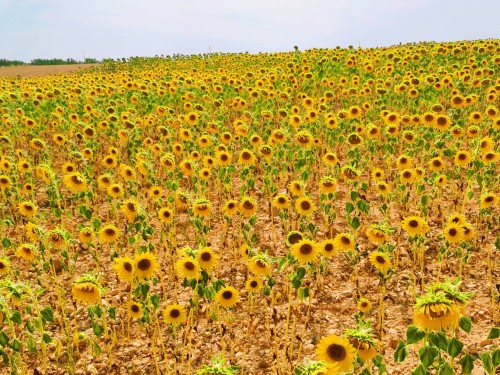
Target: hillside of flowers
pixel 329 211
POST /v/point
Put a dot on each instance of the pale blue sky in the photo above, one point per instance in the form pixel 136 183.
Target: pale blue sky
pixel 123 28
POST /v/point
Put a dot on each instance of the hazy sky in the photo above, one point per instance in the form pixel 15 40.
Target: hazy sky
pixel 124 28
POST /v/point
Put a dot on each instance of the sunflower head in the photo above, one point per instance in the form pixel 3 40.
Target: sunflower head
pixel 86 289
pixel 174 314
pixel 227 297
pixel 336 350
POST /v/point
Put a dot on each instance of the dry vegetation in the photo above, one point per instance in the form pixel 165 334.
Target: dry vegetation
pixel 316 212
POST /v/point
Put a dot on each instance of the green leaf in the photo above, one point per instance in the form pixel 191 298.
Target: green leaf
pixel 401 352
pixel 495 357
pixel 465 323
pixel 98 329
pixel 413 335
pixel 494 333
pixel 487 362
pixel 46 338
pixel 16 317
pixel 420 370
pixel 4 339
pixel 6 242
pixel 31 345
pixel 301 272
pixel 16 345
pixel 438 339
pixel 427 354
pixel 467 363
pixel 47 315
pixel 446 369
pixel 454 347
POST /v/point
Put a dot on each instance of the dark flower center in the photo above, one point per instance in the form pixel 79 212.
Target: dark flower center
pixel 336 352
pixel 127 266
pixel 175 313
pixel 227 294
pixel 134 308
pixel 306 249
pixel 144 264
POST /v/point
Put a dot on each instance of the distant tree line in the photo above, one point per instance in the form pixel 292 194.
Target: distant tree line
pixel 5 62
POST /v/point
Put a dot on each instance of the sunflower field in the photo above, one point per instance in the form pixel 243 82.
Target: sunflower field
pixel 329 211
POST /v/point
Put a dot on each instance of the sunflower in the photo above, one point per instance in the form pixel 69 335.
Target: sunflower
pixel 86 290
pixel 130 209
pixel 109 233
pixel 254 285
pixel 407 176
pixel 330 158
pixel 109 161
pixel 294 237
pixel 490 157
pixel 462 158
pixel 297 188
pixel 134 309
pixel 415 226
pixel 327 247
pixel 26 251
pixel 488 200
pixel 259 265
pixel 364 305
pixel 281 201
pixel 27 209
pixel 246 157
pixel 434 312
pixel 174 314
pixel 115 190
pixel 145 265
pixel 31 232
pixel 377 174
pixel 4 265
pixel 349 173
pixel 104 181
pixel 304 206
pixel 305 251
pixel 453 233
pixel 227 296
pixel 68 167
pixel 187 268
pixel 328 185
pixel 56 238
pixel 207 258
pixel 436 164
pixel 223 158
pixel 344 242
pixel 86 235
pixel 380 261
pixel 75 182
pixel 486 145
pixel 376 236
pixel 468 231
pixel 201 207
pixel 336 350
pixel 182 201
pixel 248 206
pixel 362 340
pixel 124 268
pixel 165 215
pixel 230 207
pixel 442 122
pixel 5 182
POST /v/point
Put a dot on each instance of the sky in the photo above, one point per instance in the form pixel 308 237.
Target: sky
pixel 100 29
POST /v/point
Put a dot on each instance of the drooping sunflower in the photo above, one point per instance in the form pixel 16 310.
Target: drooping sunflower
pixel 124 268
pixel 145 265
pixel 27 209
pixel 134 309
pixel 376 235
pixel 201 207
pixel 104 181
pixel 86 290
pixel 305 251
pixel 109 233
pixel 259 265
pixel 130 209
pixel 363 341
pixel 380 261
pixel 248 206
pixel 26 251
pixel 415 226
pixel 56 238
pixel 293 237
pixel 75 182
pixel 254 284
pixel 344 242
pixel 174 314
pixel 86 235
pixel 336 350
pixel 305 206
pixel 207 258
pixel 453 233
pixel 227 297
pixel 434 312
pixel 188 268
pixel 330 158
pixel 469 231
pixel 328 185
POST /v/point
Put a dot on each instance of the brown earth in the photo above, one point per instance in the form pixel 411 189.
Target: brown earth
pixel 40 70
